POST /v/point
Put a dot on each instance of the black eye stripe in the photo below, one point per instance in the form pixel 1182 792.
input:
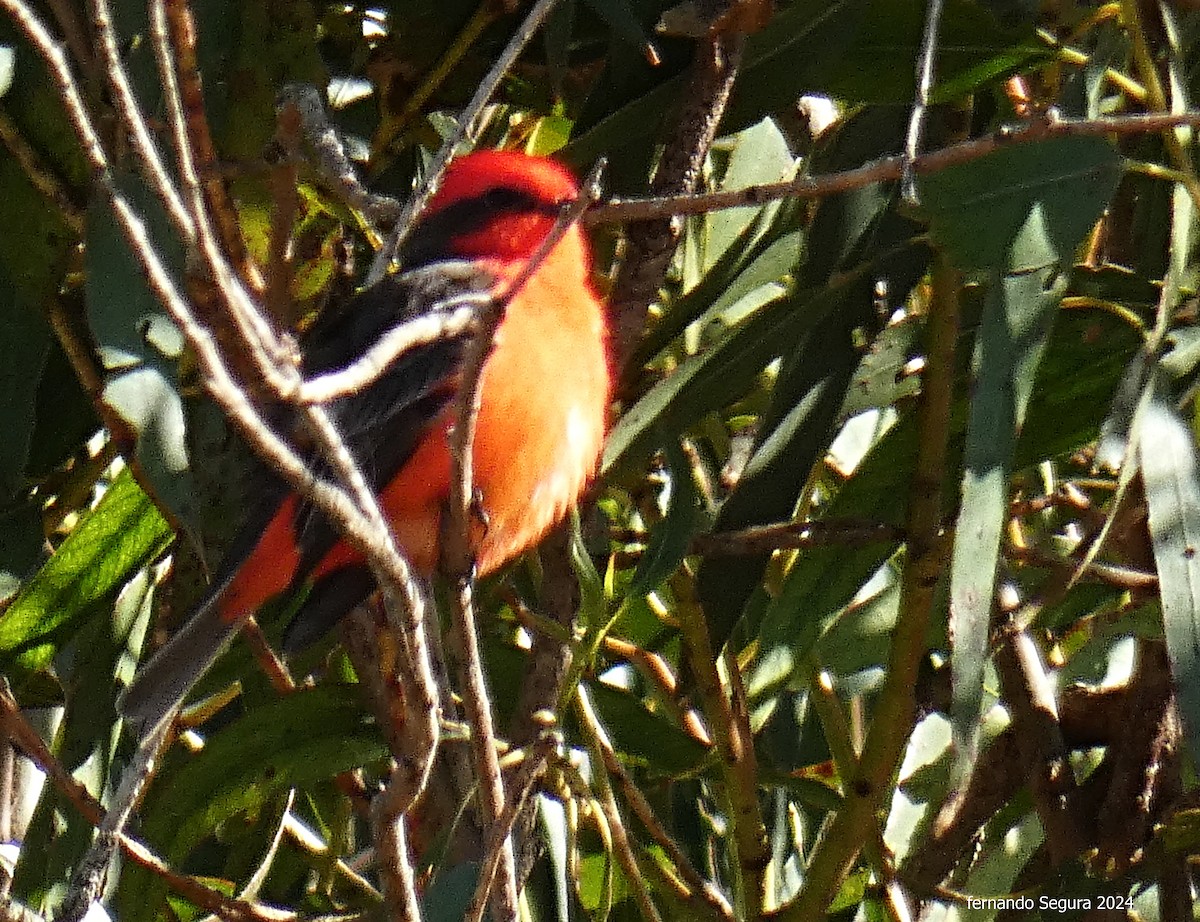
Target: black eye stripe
pixel 431 239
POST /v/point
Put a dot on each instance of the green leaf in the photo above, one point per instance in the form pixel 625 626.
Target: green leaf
pixel 643 736
pixel 23 351
pixel 1023 207
pixel 1171 471
pixel 759 154
pixel 670 539
pixel 620 17
pixel 308 736
pixel 86 739
pixel 823 580
pixel 24 348
pixel 449 894
pixel 1016 324
pixel 139 345
pixel 1018 215
pixel 757 260
pixel 122 534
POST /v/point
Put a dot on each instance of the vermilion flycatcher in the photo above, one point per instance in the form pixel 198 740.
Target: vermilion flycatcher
pixel 544 396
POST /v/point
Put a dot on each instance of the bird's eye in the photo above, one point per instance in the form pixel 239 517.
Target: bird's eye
pixel 500 198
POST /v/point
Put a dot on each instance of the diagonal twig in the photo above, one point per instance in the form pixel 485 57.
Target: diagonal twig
pixel 466 125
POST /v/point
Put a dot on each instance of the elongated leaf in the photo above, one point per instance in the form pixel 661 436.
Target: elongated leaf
pixel 120 536
pixel 798 427
pixel 670 539
pixel 1016 324
pixel 23 351
pixel 1018 215
pixel 305 737
pixel 1023 207
pixel 1171 471
pixel 59 836
pixel 643 736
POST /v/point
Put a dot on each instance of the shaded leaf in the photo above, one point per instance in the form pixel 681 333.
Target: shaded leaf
pixel 643 736
pixel 139 345
pixel 670 539
pixel 308 736
pixel 1018 215
pixel 1023 207
pixel 1171 471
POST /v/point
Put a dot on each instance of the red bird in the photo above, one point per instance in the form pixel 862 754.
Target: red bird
pixel 544 396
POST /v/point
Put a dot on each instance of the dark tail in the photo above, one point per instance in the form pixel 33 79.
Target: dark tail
pixel 163 682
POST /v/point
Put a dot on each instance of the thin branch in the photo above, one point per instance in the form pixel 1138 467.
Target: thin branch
pixel 750 854
pixel 533 765
pixel 185 70
pixel 40 176
pixel 888 169
pixel 457 560
pixel 466 125
pixel 332 161
pixel 700 888
pixel 284 182
pixel 1112 574
pixel 132 119
pixel 621 844
pixel 761 539
pixel 916 121
pixel 453 319
pixel 26 738
pixel 650 247
pixel 66 14
pixel 895 714
pixel 90 877
pixel 1029 698
pixel 256 340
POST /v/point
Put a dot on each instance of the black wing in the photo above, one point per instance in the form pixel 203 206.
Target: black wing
pixel 383 423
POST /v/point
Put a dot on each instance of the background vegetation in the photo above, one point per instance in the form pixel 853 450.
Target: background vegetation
pixel 887 598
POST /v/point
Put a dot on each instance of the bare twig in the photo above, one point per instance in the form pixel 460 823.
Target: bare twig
pixel 457 560
pixel 1112 574
pixel 887 169
pixel 916 121
pixel 333 163
pixel 40 176
pixel 132 119
pixel 91 874
pixel 377 663
pixel 453 319
pixel 24 737
pixel 1029 696
pixel 761 539
pixel 649 248
pixel 740 788
pixel 621 843
pixel 533 765
pixel 466 124
pixel 185 69
pixel 256 337
pixel 700 888
pixel 284 180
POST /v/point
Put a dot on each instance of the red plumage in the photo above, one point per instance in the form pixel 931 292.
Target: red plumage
pixel 544 395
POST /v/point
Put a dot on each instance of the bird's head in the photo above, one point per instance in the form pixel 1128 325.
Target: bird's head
pixel 491 205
